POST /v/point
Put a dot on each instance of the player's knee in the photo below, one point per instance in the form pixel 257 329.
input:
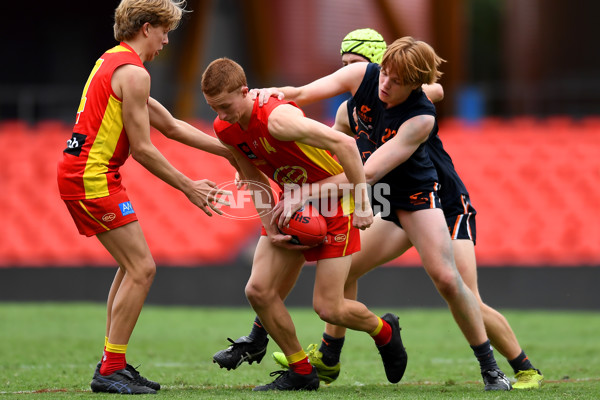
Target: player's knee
pixel 448 284
pixel 327 313
pixel 143 274
pixel 257 295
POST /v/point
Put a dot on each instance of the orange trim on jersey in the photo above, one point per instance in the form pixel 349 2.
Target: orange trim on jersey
pixel 92 217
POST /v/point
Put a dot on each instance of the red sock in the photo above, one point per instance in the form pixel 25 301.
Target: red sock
pixel 384 335
pixel 301 367
pixel 112 362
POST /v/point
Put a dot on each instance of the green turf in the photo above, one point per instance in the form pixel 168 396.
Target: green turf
pixel 49 351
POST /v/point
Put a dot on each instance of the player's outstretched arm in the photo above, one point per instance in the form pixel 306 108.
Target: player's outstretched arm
pixel 346 79
pixel 133 84
pixel 183 132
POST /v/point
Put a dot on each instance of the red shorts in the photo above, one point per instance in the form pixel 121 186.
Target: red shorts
pixel 342 238
pixel 93 216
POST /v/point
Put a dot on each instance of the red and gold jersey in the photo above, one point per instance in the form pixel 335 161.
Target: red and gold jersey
pixel 285 162
pixel 99 144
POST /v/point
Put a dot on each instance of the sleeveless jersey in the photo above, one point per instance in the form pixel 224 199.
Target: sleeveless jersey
pixel 452 189
pixel 99 144
pixel 350 106
pixel 377 125
pixel 285 162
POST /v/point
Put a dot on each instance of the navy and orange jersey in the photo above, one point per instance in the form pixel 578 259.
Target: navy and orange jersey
pixel 285 162
pixel 453 192
pixel 377 125
pixel 350 107
pixel 99 144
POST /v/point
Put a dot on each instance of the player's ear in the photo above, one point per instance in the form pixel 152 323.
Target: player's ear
pixel 245 91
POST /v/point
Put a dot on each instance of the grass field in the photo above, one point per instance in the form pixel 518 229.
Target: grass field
pixel 49 351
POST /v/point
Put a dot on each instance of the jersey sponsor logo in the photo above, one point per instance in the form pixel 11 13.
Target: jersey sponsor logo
pixel 290 174
pixel 126 208
pixel 362 113
pixel 247 151
pixel 109 217
pixel 75 144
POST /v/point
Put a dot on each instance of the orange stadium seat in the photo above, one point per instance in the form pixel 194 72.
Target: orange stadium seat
pixel 533 182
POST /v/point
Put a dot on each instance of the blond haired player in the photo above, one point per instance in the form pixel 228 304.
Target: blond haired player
pixel 112 122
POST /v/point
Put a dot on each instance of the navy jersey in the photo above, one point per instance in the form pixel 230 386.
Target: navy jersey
pixel 377 125
pixel 452 189
pixel 350 105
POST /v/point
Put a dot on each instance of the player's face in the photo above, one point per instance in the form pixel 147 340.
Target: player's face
pixel 158 37
pixel 229 106
pixel 391 90
pixel 350 58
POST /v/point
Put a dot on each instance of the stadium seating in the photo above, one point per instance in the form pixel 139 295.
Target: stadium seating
pixel 534 183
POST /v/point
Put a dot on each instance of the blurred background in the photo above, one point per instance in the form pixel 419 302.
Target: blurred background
pixel 520 117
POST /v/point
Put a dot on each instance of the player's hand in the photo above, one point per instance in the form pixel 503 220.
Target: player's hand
pixel 285 209
pixel 294 197
pixel 362 219
pixel 264 95
pixel 283 241
pixel 206 195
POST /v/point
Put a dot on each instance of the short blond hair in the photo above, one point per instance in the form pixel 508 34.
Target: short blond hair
pixel 223 75
pixel 131 15
pixel 414 61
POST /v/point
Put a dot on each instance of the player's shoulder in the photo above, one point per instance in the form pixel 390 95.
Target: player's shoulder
pixel 275 110
pixel 221 126
pixel 131 76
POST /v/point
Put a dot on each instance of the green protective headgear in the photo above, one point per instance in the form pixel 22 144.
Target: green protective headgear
pixel 365 42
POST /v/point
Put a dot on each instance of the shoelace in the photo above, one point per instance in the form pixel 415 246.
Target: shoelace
pixel 312 351
pixel 136 375
pixel 280 373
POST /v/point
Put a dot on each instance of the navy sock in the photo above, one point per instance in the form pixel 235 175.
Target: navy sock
pixel 332 349
pixel 485 356
pixel 258 333
pixel 521 363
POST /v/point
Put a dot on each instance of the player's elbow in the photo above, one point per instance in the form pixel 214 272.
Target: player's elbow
pixel 141 153
pixel 435 92
pixel 371 177
pixel 171 130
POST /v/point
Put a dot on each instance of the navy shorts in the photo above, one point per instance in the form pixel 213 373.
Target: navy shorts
pixel 461 225
pixel 413 202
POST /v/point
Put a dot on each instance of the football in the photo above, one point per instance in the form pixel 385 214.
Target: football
pixel 307 227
